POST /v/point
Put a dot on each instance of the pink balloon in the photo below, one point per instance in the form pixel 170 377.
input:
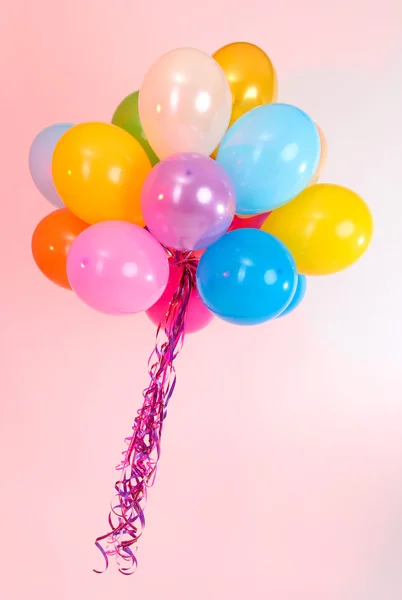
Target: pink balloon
pixel 117 268
pixel 185 103
pixel 188 201
pixel 198 315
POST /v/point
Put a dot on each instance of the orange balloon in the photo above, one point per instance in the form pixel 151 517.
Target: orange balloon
pixel 323 156
pixel 251 75
pixel 51 242
pixel 98 170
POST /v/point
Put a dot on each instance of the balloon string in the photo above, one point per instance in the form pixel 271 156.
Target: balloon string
pixel 140 459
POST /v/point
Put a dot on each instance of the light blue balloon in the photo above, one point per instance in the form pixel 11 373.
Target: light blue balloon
pixel 298 296
pixel 40 161
pixel 247 277
pixel 271 154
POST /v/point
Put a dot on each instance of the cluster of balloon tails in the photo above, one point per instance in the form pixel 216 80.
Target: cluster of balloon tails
pixel 200 198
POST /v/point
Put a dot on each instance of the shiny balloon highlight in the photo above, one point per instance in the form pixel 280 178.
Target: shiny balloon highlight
pixel 51 242
pixel 247 277
pixel 251 76
pixel 199 200
pixel 298 296
pixel 98 171
pixel 188 201
pixel 271 155
pixel 185 103
pixel 117 268
pixel 327 228
pixel 245 227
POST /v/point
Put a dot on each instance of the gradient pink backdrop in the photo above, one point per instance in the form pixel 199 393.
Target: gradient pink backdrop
pixel 281 474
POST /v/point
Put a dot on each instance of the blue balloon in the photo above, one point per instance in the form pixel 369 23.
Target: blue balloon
pixel 40 161
pixel 247 277
pixel 271 154
pixel 298 296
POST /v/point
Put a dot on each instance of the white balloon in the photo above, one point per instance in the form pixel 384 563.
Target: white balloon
pixel 185 103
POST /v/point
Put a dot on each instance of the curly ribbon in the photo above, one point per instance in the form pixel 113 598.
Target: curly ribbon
pixel 140 459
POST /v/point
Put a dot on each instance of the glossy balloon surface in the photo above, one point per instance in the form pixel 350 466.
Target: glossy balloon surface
pixel 247 277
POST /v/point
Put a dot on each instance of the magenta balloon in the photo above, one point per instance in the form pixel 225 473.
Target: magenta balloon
pixel 198 315
pixel 254 222
pixel 117 268
pixel 188 201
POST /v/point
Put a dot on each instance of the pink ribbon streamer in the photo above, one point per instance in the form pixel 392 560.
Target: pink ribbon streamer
pixel 140 459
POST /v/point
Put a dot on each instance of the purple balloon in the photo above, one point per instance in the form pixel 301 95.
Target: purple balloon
pixel 117 268
pixel 40 161
pixel 188 201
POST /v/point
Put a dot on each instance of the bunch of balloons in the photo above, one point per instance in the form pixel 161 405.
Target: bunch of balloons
pixel 200 198
pixel 204 160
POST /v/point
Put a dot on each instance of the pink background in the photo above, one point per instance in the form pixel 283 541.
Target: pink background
pixel 281 474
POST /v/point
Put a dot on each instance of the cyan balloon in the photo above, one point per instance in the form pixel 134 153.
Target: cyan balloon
pixel 271 154
pixel 298 296
pixel 40 161
pixel 246 277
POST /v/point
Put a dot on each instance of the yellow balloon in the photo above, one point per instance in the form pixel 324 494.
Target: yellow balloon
pixel 327 228
pixel 98 170
pixel 323 156
pixel 251 76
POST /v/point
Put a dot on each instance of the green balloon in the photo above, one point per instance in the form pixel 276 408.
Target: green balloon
pixel 126 116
